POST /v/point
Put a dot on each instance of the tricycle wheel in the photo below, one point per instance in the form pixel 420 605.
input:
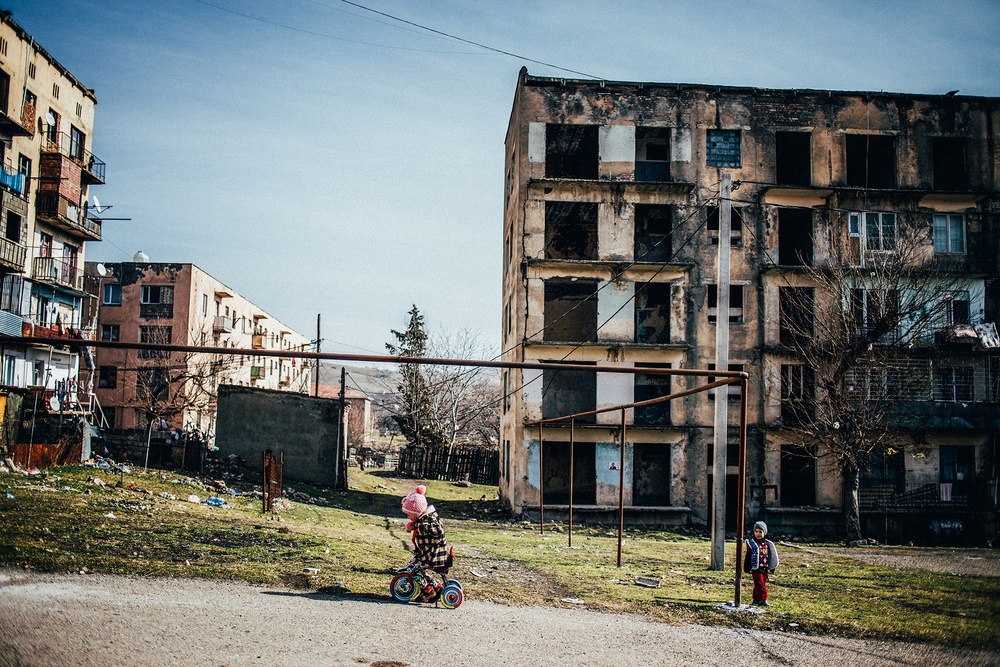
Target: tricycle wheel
pixel 402 588
pixel 451 596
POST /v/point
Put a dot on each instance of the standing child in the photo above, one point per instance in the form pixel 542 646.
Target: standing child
pixel 430 548
pixel 761 559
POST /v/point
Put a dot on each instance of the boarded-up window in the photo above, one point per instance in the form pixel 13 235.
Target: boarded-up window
pixel 570 230
pixel 652 233
pixel 571 151
pixel 871 161
pixel 792 160
pixel 570 310
pixel 652 313
pixel 556 473
pixel 651 474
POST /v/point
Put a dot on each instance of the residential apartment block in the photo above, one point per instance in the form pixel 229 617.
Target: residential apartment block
pixel 180 304
pixel 611 233
pixel 47 168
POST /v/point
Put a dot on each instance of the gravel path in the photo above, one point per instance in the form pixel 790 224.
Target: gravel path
pixel 103 620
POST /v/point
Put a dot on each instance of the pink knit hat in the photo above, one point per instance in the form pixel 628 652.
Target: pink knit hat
pixel 416 501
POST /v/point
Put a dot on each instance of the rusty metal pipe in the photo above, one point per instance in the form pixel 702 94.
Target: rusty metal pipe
pixel 621 491
pixel 741 489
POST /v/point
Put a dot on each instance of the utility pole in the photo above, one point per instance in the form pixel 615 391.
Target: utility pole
pixel 721 364
pixel 342 428
pixel 318 362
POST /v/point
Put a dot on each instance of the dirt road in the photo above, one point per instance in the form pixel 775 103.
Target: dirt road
pixel 104 620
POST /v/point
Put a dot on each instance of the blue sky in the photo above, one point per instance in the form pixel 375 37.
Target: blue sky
pixel 322 159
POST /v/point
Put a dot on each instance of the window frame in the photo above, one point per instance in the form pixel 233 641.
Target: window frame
pixel 112 296
pixel 948 229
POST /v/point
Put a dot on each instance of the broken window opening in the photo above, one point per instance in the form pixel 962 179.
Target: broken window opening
pixel 883 471
pixel 798 393
pixel 652 154
pixel 957 308
pixel 871 161
pixel 722 148
pixel 795 237
pixel 953 384
pixel 792 158
pixel 570 310
pixel 647 387
pixel 958 469
pixel 735 222
pixel 875 314
pixel 795 315
pixel 653 225
pixel 568 393
pixel 570 230
pixel 735 304
pixel 651 474
pixel 571 151
pixel 556 465
pixel 798 476
pixel 948 155
pixel 652 313
pixel 107 377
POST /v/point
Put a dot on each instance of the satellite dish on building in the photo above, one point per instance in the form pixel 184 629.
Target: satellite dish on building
pixel 140 257
pixel 102 270
pixel 97 204
pixel 50 118
pixel 54 404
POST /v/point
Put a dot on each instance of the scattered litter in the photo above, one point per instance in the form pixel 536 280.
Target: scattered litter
pixel 805 565
pixel 572 601
pixel 215 501
pixel 731 608
pixel 109 515
pixel 10 495
pixel 476 574
pixel 646 582
pixel 310 570
pixel 187 562
pixel 793 625
pixel 676 572
pixel 193 499
pixel 168 496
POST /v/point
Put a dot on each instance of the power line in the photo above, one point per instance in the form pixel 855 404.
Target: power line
pixel 468 41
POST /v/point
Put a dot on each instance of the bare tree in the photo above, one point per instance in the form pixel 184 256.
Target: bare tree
pixel 465 400
pixel 853 330
pixel 169 385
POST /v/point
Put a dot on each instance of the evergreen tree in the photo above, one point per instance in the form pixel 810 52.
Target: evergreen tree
pixel 416 411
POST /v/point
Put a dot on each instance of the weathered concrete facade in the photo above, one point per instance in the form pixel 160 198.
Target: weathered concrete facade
pixel 303 428
pixel 610 250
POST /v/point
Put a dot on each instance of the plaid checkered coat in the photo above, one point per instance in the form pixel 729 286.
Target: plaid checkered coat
pixel 430 548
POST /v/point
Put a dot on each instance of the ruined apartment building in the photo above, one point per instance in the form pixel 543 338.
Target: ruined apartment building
pixel 180 304
pixel 611 238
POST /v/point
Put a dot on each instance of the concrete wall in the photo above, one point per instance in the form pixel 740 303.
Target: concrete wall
pixel 302 427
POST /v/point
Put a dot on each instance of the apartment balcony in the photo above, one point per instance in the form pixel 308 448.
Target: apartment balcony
pixel 12 181
pixel 12 255
pixel 256 372
pixel 222 324
pixel 57 272
pixel 61 213
pixel 257 342
pixel 91 168
pixel 18 128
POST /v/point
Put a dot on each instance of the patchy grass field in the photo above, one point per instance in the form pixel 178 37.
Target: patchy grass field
pixel 81 519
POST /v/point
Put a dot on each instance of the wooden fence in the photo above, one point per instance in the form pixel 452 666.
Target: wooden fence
pixel 473 464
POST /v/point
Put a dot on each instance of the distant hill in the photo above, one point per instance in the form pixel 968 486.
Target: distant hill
pixel 370 380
